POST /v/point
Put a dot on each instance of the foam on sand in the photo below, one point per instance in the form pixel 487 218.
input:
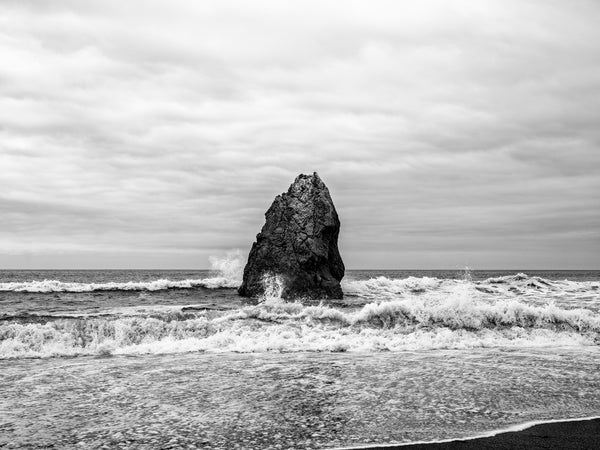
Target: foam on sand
pixel 493 433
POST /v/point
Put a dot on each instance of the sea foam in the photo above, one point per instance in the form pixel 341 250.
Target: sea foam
pixel 403 314
pixel 410 324
pixel 228 270
pixel 154 285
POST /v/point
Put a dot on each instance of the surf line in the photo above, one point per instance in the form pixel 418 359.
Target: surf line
pixel 511 429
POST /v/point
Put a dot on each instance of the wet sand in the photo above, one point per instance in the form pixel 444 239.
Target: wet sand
pixel 569 435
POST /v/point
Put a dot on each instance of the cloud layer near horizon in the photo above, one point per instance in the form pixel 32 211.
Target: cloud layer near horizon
pixel 154 134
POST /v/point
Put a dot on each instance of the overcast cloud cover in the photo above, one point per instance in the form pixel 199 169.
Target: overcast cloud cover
pixel 154 134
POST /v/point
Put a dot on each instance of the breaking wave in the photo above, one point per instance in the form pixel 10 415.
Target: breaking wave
pixel 410 324
pixel 155 285
pixel 228 269
pixel 414 313
pixel 382 286
pixel 229 275
pixel 534 289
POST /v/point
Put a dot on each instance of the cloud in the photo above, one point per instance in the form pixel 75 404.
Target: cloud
pixel 448 133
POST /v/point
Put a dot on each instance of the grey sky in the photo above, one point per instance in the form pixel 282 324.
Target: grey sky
pixel 155 134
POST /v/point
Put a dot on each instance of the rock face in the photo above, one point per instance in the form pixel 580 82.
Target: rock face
pixel 298 243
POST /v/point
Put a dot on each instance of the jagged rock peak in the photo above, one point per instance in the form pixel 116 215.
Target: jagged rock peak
pixel 298 243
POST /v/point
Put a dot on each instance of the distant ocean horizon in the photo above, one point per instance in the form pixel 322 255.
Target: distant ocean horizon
pixel 348 269
pixel 159 358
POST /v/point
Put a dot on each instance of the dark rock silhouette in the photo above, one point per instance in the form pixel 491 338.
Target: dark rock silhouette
pixel 298 243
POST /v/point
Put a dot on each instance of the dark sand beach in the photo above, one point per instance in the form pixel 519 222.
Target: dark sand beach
pixel 575 435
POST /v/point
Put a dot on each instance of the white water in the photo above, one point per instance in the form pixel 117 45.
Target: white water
pixel 155 285
pixel 228 268
pixel 229 272
pixel 457 320
pixel 461 356
pixel 511 429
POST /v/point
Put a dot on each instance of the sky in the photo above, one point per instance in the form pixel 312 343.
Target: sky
pixel 153 134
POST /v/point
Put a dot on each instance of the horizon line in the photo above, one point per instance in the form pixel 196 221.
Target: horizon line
pixel 348 269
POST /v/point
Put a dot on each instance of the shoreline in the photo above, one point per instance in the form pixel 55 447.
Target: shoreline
pixel 577 434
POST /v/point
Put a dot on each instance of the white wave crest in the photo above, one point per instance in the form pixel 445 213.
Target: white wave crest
pixel 155 285
pixel 454 313
pixel 535 290
pixel 228 271
pixel 411 324
pixel 383 287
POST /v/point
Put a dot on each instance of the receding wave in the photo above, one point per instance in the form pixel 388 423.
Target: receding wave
pixel 410 324
pixel 154 285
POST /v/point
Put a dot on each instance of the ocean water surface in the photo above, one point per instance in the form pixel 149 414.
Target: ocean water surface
pixel 171 359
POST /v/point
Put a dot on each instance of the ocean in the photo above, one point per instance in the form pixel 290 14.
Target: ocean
pixel 175 359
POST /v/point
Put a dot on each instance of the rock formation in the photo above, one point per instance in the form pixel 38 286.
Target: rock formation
pixel 298 243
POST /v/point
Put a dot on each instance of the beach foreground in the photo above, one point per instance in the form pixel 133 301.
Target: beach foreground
pixel 146 359
pixel 575 435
